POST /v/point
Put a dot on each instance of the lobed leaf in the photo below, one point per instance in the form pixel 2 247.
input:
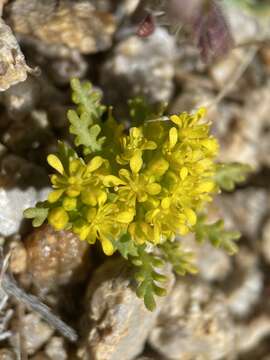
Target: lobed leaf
pixel 84 121
pixel 39 215
pixel 217 235
pixel 181 260
pixel 228 175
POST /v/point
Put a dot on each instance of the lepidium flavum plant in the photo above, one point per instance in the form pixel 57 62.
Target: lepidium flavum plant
pixel 137 192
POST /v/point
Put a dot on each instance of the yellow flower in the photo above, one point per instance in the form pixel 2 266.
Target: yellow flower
pixel 132 187
pixel 155 195
pixel 133 147
pixel 73 181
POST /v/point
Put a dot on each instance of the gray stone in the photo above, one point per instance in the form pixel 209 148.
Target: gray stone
pixel 12 204
pixel 55 349
pixel 245 26
pixel 244 210
pixel 246 285
pixel 21 98
pixel 194 324
pixel 140 67
pixel 250 335
pixel 116 323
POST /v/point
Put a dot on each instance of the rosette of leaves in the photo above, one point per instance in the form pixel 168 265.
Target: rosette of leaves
pixel 137 192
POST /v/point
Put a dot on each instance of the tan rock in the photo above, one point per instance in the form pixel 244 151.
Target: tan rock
pixel 55 349
pixel 18 257
pixel 56 258
pixel 78 25
pixel 13 68
pixel 35 332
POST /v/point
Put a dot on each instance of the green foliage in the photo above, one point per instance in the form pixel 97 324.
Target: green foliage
pixel 181 260
pixel 138 190
pixel 39 215
pixel 126 246
pixel 148 277
pixel 229 175
pixel 257 7
pixel 83 121
pixel 217 235
pixel 140 111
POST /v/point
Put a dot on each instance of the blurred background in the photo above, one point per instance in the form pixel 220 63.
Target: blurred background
pixel 183 53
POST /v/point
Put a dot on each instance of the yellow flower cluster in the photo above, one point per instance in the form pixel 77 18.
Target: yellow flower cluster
pixel 149 183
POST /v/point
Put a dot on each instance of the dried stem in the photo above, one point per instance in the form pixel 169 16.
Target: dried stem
pixel 235 77
pixel 10 287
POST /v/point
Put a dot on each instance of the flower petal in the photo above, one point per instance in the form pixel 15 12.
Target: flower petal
pixel 55 163
pixel 191 216
pixel 205 187
pixel 183 173
pixel 176 119
pixel 153 189
pixel 125 216
pixel 107 246
pixel 95 163
pixel 55 195
pixel 111 180
pixel 136 162
pixel 173 137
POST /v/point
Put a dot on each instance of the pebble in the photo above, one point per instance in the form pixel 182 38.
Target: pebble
pixel 142 67
pixel 13 68
pixel 56 258
pixel 35 333
pixel 12 204
pixel 78 25
pixel 116 323
pixel 194 324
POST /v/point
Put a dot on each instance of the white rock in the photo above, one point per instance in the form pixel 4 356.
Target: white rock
pixel 12 204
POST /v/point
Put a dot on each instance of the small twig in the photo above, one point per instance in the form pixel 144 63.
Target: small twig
pixel 16 342
pixel 258 42
pixel 4 267
pixel 12 289
pixel 234 79
pixel 20 310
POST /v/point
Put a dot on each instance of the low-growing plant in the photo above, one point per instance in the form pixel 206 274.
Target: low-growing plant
pixel 138 191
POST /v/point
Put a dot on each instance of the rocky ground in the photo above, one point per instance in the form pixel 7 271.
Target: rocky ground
pixel 222 313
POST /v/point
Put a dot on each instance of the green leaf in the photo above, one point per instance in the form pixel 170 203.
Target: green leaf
pixel 85 132
pixel 181 260
pixel 148 277
pixel 217 235
pixel 125 245
pixel 87 99
pixel 140 111
pixel 228 175
pixel 84 122
pixel 39 215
